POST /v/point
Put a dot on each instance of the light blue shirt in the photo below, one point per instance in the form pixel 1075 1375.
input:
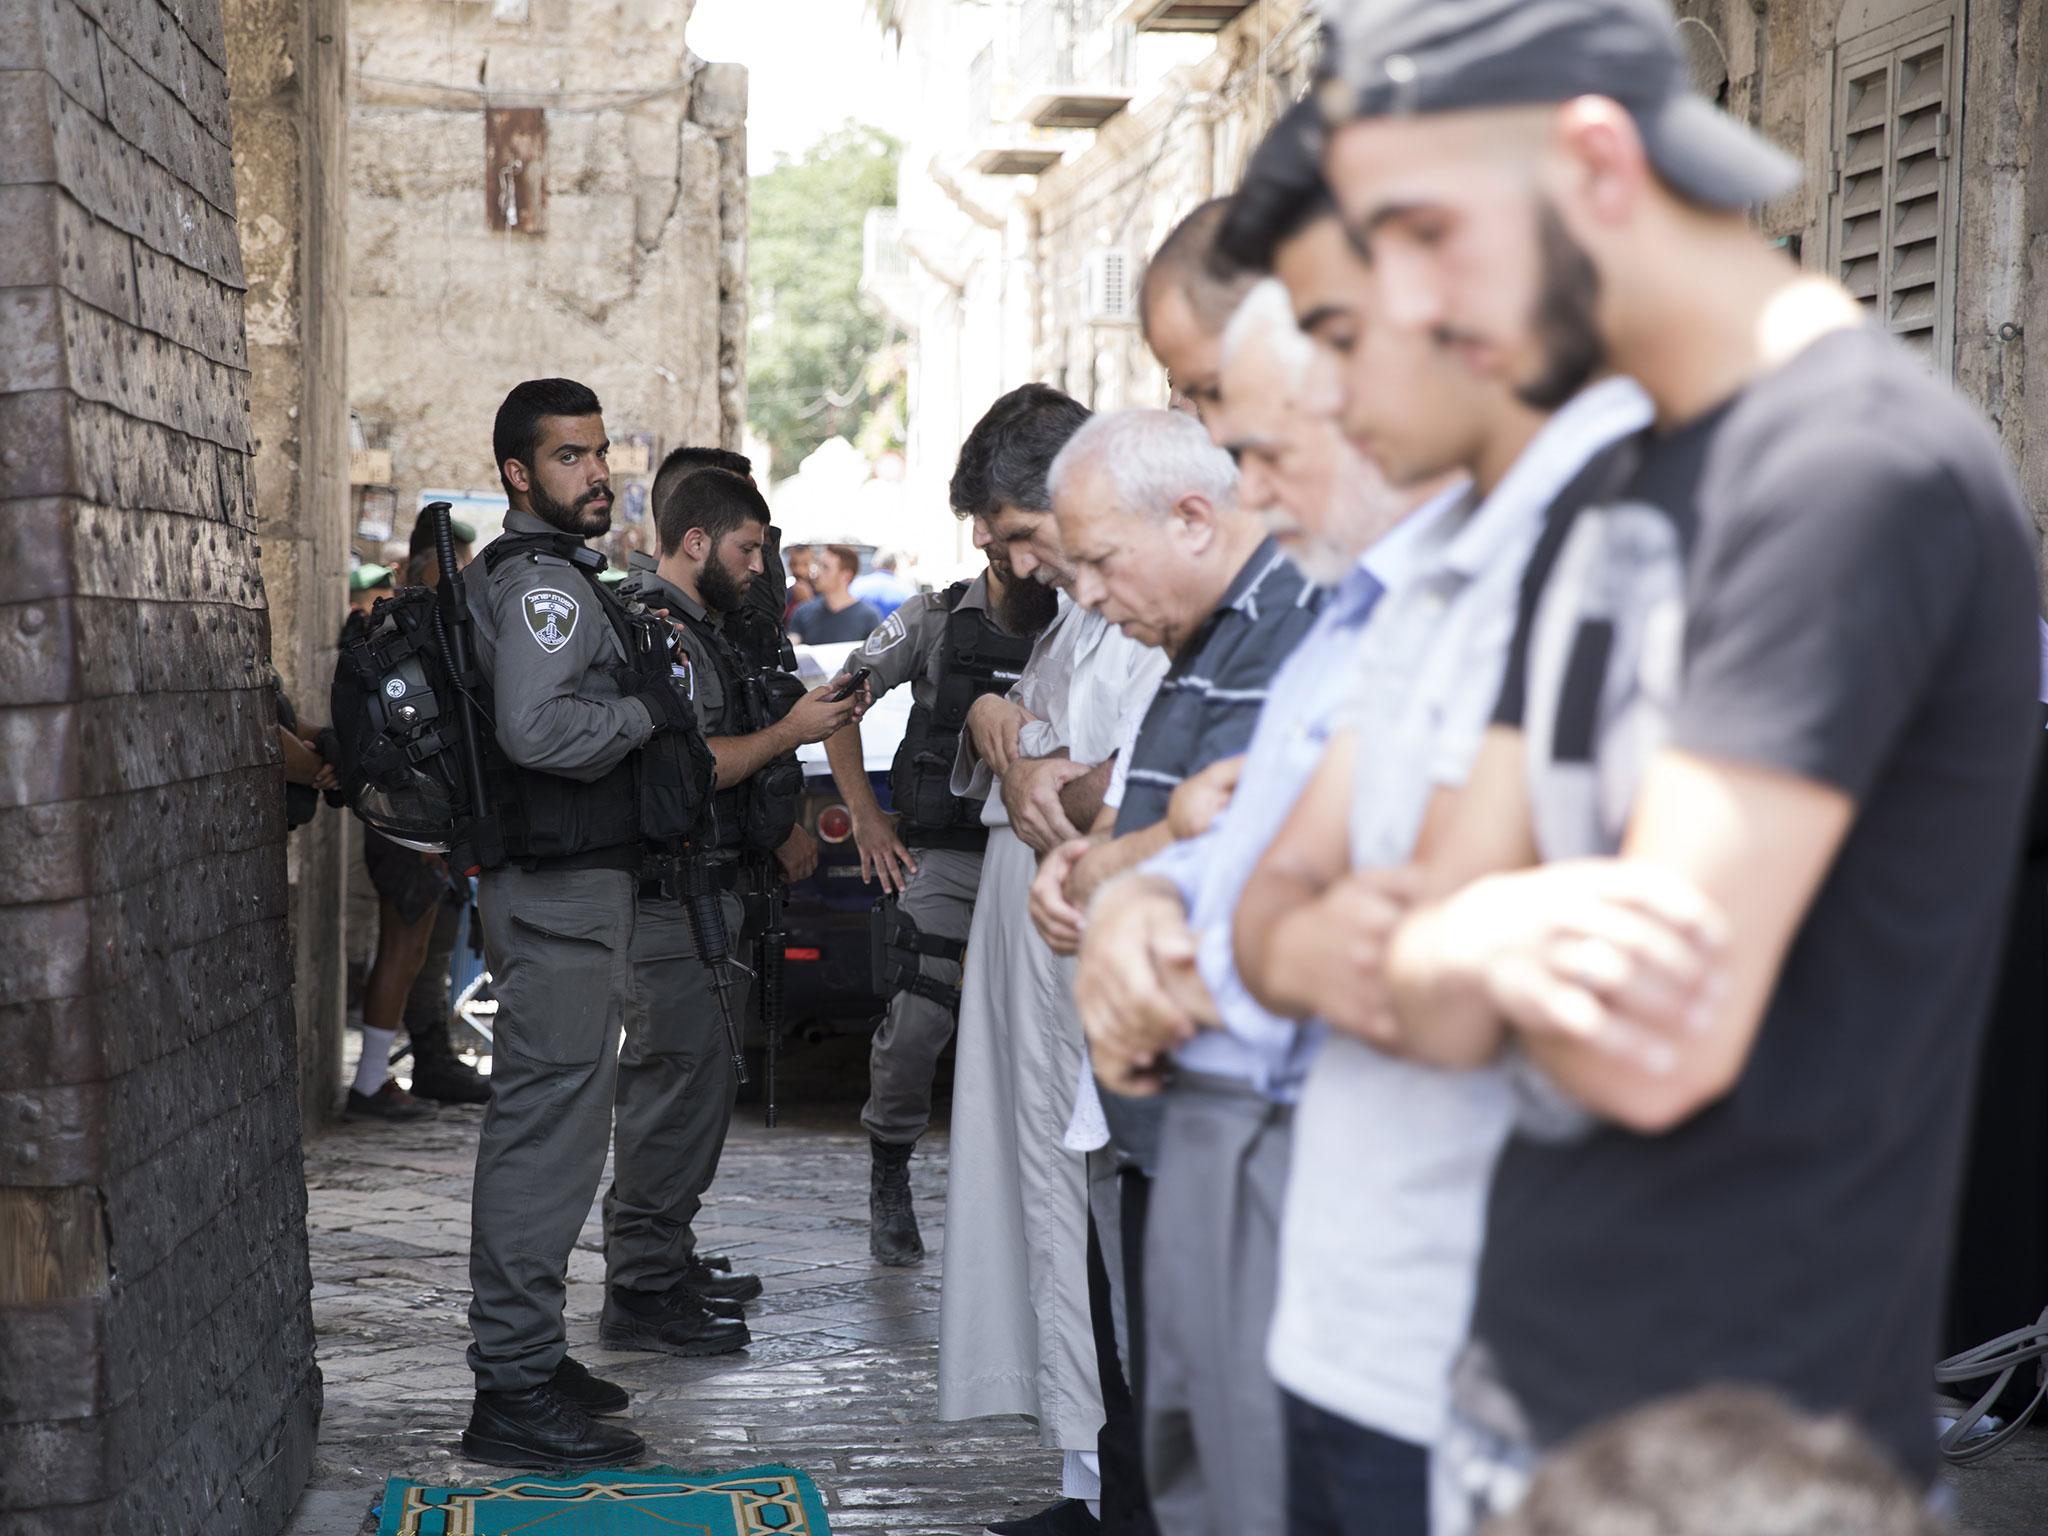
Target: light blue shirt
pixel 1307 697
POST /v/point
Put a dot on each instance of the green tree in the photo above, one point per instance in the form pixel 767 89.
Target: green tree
pixel 816 340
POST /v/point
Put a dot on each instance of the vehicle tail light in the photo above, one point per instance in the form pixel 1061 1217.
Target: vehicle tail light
pixel 803 954
pixel 835 824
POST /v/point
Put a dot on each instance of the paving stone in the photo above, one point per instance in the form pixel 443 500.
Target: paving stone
pixel 841 1379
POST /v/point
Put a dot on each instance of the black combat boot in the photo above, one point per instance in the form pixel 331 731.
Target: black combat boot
pixel 892 1224
pixel 438 1073
pixel 541 1429
pixel 672 1321
pixel 714 1280
pixel 597 1397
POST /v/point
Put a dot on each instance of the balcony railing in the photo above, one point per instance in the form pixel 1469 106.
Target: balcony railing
pixel 1073 63
pixel 1183 15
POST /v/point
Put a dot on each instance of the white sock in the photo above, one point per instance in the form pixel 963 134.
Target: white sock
pixel 1081 1478
pixel 376 1063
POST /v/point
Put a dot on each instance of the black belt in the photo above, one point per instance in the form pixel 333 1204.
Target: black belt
pixel 962 839
pixel 624 856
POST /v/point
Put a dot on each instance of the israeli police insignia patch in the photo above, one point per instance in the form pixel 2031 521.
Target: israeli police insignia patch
pixel 551 616
pixel 885 637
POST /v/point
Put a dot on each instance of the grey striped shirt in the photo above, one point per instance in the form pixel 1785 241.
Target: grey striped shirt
pixel 1211 696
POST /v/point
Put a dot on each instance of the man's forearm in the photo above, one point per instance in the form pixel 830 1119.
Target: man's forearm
pixel 741 757
pixel 1081 798
pixel 1271 896
pixel 1108 860
pixel 1440 1009
pixel 848 759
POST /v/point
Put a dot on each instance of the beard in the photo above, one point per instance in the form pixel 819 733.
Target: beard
pixel 1026 607
pixel 1565 323
pixel 1322 559
pixel 721 591
pixel 578 518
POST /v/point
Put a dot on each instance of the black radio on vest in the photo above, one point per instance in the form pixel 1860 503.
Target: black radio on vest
pixel 977 658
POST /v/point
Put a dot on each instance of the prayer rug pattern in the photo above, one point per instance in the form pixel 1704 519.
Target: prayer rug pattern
pixel 660 1501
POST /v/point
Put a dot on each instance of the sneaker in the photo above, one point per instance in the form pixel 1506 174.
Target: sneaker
pixel 672 1322
pixel 390 1102
pixel 539 1429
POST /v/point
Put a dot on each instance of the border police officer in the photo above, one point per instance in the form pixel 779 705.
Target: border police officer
pixel 951 647
pixel 596 757
pixel 676 1082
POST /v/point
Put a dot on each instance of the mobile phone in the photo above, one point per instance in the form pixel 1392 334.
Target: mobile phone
pixel 851 686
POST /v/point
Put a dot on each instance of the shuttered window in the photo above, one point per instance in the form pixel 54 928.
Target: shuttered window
pixel 1894 203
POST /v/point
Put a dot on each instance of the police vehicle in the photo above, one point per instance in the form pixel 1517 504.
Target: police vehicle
pixel 829 980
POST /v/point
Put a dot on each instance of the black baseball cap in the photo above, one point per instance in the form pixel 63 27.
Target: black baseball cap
pixel 1394 58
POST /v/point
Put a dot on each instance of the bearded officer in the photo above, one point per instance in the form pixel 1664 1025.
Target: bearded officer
pixel 951 647
pixel 597 758
pixel 676 1081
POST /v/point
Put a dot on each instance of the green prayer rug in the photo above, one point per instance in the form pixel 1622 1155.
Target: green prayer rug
pixel 759 1501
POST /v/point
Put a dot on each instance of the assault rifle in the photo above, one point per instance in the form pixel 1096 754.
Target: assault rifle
pixel 689 877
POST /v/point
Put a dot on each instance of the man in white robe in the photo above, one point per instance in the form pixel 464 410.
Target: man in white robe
pixel 1015 1334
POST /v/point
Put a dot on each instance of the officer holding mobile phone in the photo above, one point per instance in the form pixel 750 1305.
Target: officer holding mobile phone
pixel 676 1077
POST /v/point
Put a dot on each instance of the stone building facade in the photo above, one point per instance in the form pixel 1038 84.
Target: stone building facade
pixel 156 1347
pixel 1016 247
pixel 1922 129
pixel 537 188
pixel 1058 142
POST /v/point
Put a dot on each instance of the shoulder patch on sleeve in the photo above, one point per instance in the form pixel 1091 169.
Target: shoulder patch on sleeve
pixel 888 634
pixel 550 615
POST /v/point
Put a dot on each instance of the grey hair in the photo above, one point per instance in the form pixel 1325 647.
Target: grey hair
pixel 1267 315
pixel 1151 460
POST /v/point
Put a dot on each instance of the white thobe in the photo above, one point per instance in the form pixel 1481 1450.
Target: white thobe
pixel 1014 1328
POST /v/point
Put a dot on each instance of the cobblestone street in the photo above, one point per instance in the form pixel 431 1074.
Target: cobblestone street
pixel 839 1380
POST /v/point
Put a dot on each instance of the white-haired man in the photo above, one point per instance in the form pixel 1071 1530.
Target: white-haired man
pixel 1160 544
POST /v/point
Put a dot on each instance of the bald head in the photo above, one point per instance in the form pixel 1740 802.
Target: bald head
pixel 1184 304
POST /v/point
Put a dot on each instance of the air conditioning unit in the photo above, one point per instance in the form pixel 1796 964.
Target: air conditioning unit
pixel 1112 291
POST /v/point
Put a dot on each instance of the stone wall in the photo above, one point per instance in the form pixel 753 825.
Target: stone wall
pixel 625 269
pixel 156 1365
pixel 287 69
pixel 1779 68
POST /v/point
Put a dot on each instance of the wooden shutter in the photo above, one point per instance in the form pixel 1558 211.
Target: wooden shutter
pixel 1894 204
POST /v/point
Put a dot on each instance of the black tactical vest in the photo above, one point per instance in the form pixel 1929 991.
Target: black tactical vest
pixel 758 813
pixel 656 796
pixel 976 658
